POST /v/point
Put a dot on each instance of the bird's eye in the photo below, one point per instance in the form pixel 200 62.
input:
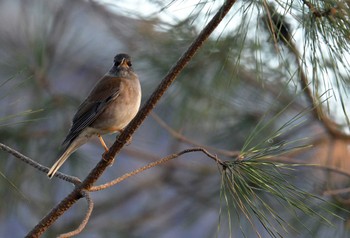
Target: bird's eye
pixel 129 63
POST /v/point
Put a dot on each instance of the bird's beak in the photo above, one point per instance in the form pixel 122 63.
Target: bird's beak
pixel 124 63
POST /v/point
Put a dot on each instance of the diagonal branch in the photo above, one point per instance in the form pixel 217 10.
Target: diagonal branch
pixel 153 164
pixel 331 127
pixel 38 166
pixel 108 158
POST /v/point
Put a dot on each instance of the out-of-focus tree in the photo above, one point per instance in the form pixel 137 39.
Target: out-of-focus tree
pixel 270 82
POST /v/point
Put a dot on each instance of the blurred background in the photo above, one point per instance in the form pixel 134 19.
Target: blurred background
pixel 53 52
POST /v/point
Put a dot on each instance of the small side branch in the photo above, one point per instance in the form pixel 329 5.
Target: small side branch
pixel 335 192
pixel 82 225
pixel 38 166
pixel 153 164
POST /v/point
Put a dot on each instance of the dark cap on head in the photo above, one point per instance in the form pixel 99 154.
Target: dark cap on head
pixel 122 60
pixel 120 57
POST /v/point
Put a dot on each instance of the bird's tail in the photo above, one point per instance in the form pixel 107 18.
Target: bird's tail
pixel 60 161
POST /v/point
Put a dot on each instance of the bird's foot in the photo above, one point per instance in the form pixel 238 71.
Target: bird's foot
pixel 107 159
pixel 128 141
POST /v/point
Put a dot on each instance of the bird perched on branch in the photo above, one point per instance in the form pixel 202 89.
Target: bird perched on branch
pixel 110 106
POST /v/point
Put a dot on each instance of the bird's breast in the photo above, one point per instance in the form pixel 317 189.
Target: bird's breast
pixel 122 110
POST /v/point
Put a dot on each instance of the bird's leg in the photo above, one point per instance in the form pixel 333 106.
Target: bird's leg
pixel 106 149
pixel 103 142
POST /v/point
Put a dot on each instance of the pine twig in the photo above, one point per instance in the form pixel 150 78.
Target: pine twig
pixel 153 164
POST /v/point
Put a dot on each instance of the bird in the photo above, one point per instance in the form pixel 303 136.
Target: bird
pixel 110 106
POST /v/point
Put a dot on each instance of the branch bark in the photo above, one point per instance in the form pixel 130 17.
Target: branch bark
pixel 108 158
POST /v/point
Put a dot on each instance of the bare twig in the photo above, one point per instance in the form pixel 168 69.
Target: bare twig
pixel 153 164
pixel 183 138
pixel 75 195
pixel 82 225
pixel 339 191
pixel 38 166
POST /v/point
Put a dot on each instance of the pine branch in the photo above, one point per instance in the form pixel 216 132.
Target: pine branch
pixel 279 22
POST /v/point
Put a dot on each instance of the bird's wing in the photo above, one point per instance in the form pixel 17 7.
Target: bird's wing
pixel 105 92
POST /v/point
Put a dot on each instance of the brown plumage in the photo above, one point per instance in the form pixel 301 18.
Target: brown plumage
pixel 110 106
